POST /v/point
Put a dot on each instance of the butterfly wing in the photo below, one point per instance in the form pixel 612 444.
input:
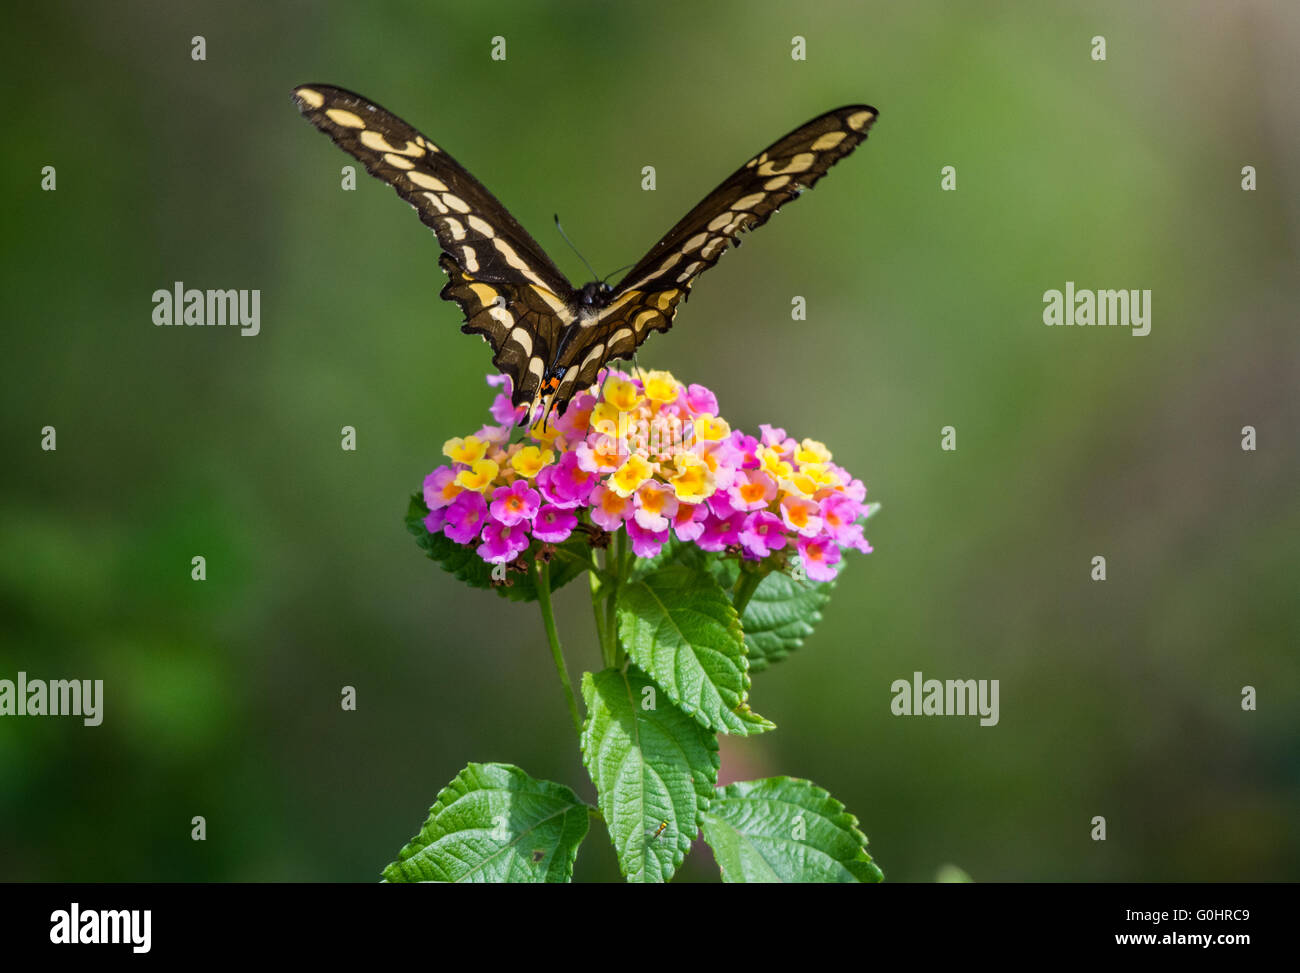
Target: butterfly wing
pixel 508 289
pixel 646 299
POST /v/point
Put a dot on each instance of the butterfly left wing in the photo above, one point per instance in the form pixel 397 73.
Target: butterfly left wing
pixel 508 289
pixel 646 299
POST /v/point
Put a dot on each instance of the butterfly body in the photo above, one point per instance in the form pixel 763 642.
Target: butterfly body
pixel 553 339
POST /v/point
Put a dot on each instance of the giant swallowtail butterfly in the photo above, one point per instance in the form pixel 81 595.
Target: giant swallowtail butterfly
pixel 550 338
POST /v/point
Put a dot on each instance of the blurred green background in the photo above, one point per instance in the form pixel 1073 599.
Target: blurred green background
pixel 1119 699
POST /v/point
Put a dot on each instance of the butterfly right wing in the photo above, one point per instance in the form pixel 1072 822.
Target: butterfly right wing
pixel 508 289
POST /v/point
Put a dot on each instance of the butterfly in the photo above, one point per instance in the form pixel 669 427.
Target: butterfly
pixel 553 339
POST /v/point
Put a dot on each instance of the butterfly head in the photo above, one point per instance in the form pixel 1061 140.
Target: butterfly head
pixel 595 294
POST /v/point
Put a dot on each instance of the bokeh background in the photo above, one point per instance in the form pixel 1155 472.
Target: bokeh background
pixel 1119 699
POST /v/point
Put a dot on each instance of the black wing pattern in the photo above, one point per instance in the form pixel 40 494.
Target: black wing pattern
pixel 508 289
pixel 646 299
pixel 551 344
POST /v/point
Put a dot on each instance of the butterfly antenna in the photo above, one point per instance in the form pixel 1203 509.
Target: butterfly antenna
pixel 594 275
pixel 613 272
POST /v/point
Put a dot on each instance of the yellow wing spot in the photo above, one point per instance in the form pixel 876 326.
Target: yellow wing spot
pixel 757 160
pixel 630 295
pixel 424 143
pixel 455 228
pixel 519 336
pixel 375 140
pixel 721 220
pixel 747 202
pixel 426 181
pixel 436 201
pixel 776 183
pixel 480 227
pixel 398 161
pixel 828 141
pixel 643 319
pixel 798 163
pixel 455 202
pixel 551 301
pixel 471 259
pixel 311 96
pixel 693 242
pixel 485 294
pixel 341 116
pixel 858 121
pixel 717 245
pixel 673 260
pixel 664 299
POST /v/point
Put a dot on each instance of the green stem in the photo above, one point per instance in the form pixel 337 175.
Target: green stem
pixel 624 567
pixel 745 588
pixel 552 636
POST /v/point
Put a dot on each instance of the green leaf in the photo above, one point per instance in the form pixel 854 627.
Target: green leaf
pixel 571 559
pixel 494 823
pixel 678 625
pixel 780 615
pixel 725 569
pixel 782 829
pixel 651 763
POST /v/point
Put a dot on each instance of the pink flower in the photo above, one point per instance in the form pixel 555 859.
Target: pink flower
pixel 747 446
pixel 751 490
pixel 465 516
pixel 646 543
pixel 801 516
pixel 608 509
pixel 434 521
pixel 553 524
pixel 839 512
pixel 819 555
pixel 656 504
pixel 514 503
pixel 688 524
pixel 699 399
pixel 440 488
pixel 852 537
pixel 762 534
pixel 496 435
pixel 720 532
pixel 503 543
pixel 573 424
pixel 566 484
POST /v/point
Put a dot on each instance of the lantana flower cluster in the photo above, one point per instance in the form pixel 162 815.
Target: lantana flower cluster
pixel 652 456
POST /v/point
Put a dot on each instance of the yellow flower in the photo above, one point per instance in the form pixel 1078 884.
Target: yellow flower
pixel 530 460
pixel 621 394
pixel 604 419
pixel 692 481
pixel 469 450
pixel 478 477
pixel 628 477
pixel 799 484
pixel 820 473
pixel 811 451
pixel 660 386
pixel 773 463
pixel 711 428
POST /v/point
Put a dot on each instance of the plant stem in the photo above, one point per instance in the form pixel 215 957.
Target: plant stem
pixel 745 588
pixel 552 636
